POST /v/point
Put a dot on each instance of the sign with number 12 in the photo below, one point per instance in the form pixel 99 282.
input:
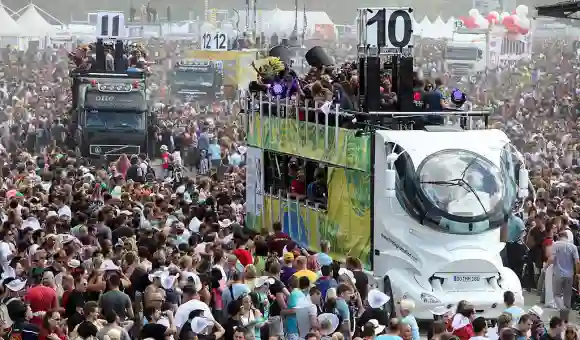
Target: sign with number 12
pixel 214 41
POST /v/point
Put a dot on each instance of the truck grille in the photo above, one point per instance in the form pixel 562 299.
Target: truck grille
pixel 114 150
pixel 460 69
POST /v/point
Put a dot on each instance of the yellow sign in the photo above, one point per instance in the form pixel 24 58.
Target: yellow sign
pixel 307 140
pixel 346 224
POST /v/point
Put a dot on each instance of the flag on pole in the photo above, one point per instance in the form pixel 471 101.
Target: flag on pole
pixel 305 23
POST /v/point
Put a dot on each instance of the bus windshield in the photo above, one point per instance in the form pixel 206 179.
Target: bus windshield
pixel 194 78
pixel 462 53
pixel 465 193
pixel 115 120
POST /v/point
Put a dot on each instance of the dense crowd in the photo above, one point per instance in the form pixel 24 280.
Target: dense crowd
pixel 103 252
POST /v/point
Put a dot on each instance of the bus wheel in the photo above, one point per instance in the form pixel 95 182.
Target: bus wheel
pixel 389 291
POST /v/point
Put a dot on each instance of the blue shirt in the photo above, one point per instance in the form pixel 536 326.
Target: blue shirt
pixel 235 159
pixel 324 259
pixel 237 289
pixel 412 322
pixel 516 228
pixel 291 322
pixel 432 100
pixel 516 312
pixel 215 151
pixel 324 283
pixel 388 337
pixel 203 141
pixel 343 313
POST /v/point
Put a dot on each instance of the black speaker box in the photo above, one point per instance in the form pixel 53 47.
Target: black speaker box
pixel 317 57
pixel 281 52
pixel 373 84
pixel 100 55
pixel 405 90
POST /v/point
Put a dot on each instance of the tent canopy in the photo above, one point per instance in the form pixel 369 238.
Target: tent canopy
pixel 33 24
pixel 9 27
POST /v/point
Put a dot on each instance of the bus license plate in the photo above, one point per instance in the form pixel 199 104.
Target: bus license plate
pixel 467 278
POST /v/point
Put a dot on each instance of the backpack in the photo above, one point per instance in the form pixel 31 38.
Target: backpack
pixel 150 175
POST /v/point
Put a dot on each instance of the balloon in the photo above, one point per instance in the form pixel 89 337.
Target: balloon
pixel 513 29
pixel 492 19
pixel 522 11
pixel 524 23
pixel 494 14
pixel 503 16
pixel 474 13
pixel 469 22
pixel 523 31
pixel 482 22
pixel 508 21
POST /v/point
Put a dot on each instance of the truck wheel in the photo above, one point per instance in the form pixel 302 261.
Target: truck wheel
pixel 389 291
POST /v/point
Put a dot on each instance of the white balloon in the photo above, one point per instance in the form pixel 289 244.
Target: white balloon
pixel 474 13
pixel 524 23
pixel 483 23
pixel 522 10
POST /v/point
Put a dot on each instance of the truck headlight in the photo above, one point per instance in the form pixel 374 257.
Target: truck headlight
pixel 430 299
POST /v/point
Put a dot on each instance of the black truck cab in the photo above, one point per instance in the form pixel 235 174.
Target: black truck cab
pixel 199 80
pixel 110 113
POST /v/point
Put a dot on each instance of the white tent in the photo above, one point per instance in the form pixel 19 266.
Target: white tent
pixel 9 27
pixel 282 22
pixel 32 23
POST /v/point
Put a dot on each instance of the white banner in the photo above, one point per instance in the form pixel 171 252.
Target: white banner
pixel 254 181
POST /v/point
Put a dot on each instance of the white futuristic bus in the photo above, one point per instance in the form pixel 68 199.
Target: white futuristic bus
pixel 421 209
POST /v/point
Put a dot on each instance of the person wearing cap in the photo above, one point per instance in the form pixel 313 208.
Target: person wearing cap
pixel 287 267
pixel 190 303
pixel 376 301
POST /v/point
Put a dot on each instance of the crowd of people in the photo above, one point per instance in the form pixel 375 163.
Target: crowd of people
pixel 90 252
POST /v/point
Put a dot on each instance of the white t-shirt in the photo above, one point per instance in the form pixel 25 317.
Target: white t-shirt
pixel 182 314
pixel 194 225
pixel 5 251
pixel 165 322
pixel 177 158
pixel 65 211
pixel 479 337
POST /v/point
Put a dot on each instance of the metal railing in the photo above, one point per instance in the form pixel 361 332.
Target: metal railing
pixel 311 112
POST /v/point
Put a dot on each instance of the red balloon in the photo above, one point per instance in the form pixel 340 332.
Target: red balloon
pixel 468 22
pixel 492 19
pixel 509 21
pixel 523 31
